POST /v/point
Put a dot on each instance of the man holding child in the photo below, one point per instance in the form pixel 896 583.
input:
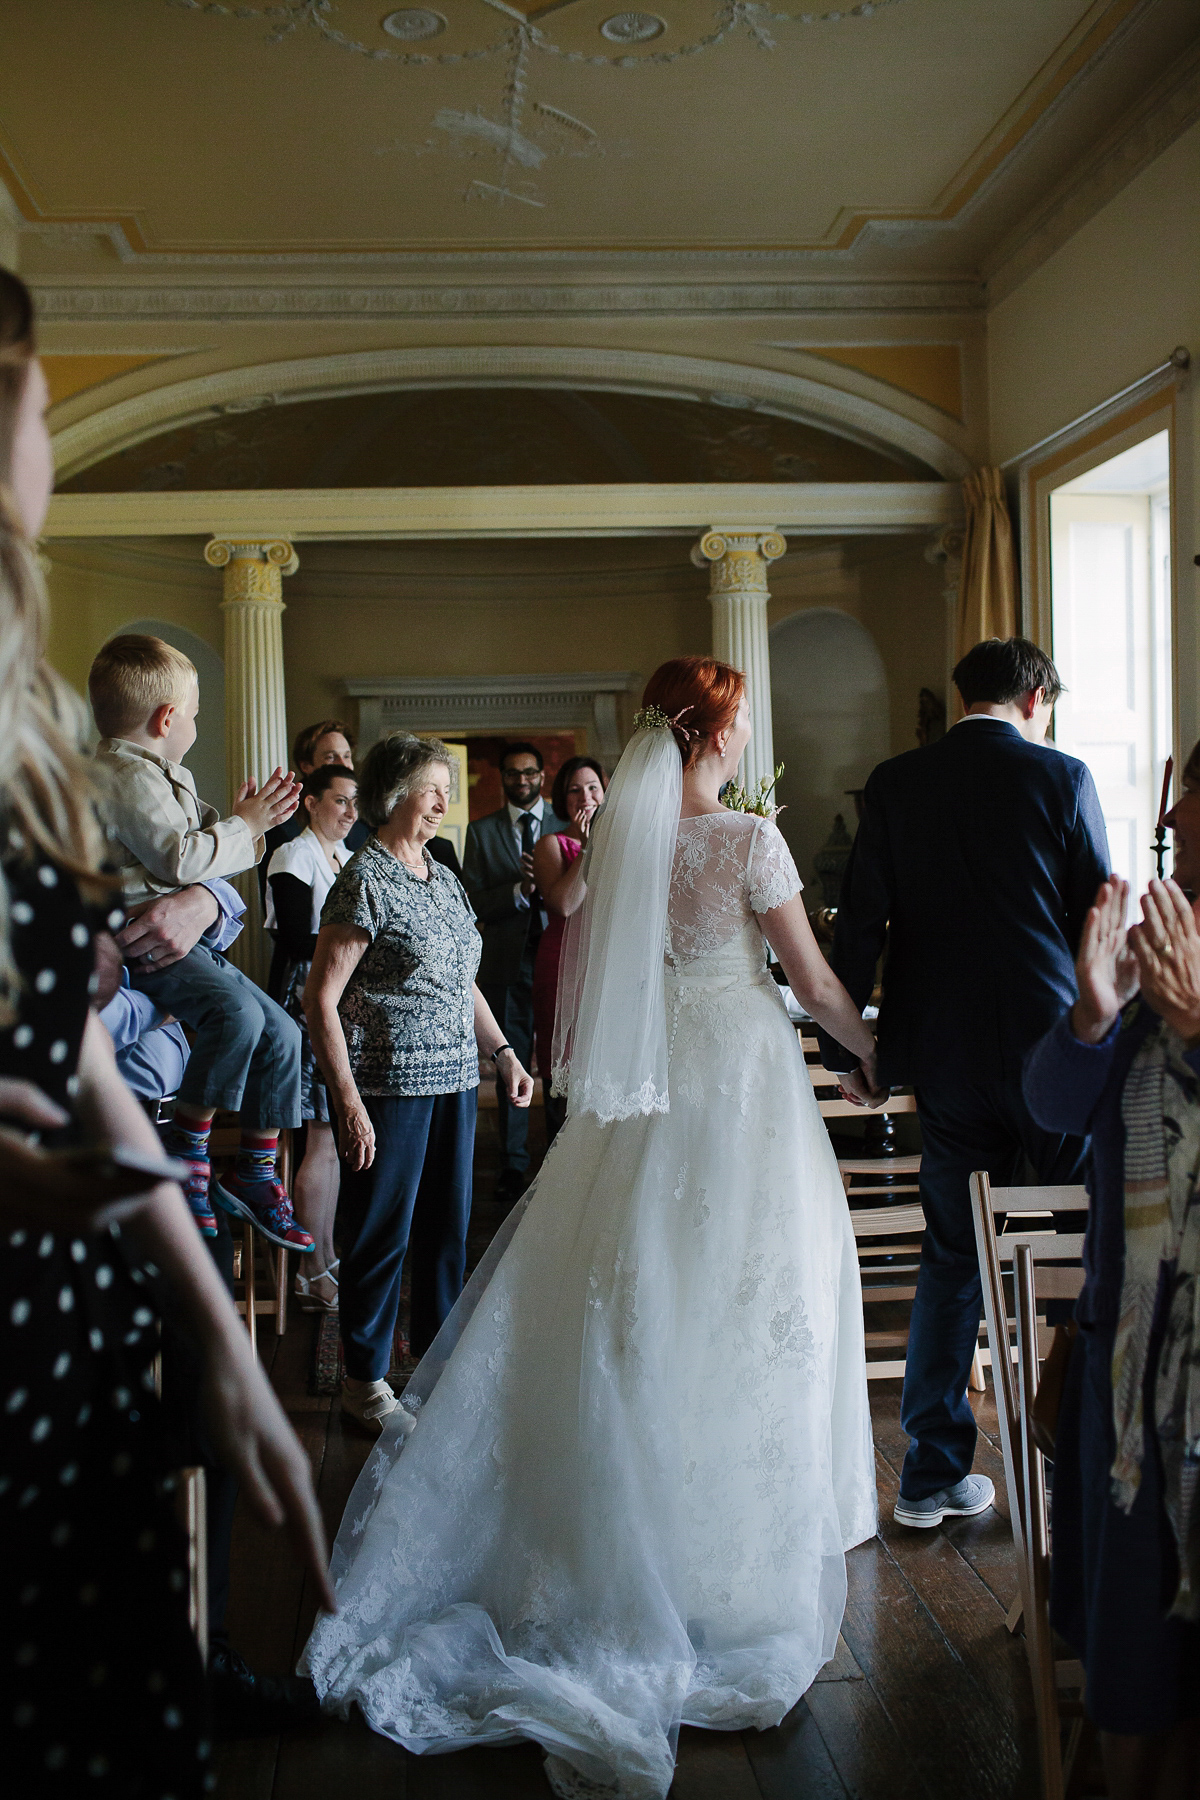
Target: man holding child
pixel 246 1054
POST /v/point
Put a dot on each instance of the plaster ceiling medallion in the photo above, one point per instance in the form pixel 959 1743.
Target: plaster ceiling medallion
pixel 513 138
pixel 412 23
pixel 632 28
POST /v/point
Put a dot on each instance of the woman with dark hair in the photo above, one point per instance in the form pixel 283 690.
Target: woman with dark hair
pixel 299 878
pixel 578 793
pixel 643 1443
pixel 105 1689
pixel 1123 1067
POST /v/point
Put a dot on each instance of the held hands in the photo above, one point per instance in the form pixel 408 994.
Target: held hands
pixel 270 805
pixel 1166 946
pixel 861 1085
pixel 518 1085
pixel 1107 967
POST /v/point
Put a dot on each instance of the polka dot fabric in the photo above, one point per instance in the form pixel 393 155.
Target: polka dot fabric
pixel 103 1692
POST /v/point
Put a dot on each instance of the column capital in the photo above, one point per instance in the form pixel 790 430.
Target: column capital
pixel 254 567
pixel 738 558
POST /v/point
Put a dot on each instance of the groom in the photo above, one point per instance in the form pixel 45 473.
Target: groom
pixel 975 864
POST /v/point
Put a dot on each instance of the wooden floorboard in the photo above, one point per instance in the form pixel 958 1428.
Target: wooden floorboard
pixel 926 1698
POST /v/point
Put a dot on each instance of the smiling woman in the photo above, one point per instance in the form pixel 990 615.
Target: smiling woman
pixel 398 1024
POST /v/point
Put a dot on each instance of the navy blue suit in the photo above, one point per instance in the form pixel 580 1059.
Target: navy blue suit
pixel 974 866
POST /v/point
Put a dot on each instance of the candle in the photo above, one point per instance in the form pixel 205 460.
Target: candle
pixel 1166 793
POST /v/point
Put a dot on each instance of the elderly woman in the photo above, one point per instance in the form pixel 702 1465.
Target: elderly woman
pixel 398 1026
pixel 1125 1589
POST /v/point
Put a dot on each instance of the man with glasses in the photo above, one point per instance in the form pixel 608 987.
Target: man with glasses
pixel 498 875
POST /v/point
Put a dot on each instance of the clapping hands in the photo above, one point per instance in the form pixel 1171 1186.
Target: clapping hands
pixel 268 805
pixel 1166 950
pixel 1106 969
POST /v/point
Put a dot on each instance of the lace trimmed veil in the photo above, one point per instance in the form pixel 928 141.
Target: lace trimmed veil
pixel 610 1030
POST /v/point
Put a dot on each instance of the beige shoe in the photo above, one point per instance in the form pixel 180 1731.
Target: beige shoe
pixel 370 1406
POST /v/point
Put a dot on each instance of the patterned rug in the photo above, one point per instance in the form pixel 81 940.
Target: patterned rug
pixel 326 1368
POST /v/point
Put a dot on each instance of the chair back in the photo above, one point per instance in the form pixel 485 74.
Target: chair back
pixel 1034 1283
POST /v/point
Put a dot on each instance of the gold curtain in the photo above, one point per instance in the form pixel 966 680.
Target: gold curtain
pixel 987 595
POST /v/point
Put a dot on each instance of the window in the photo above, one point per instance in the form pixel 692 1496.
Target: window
pixel 1111 620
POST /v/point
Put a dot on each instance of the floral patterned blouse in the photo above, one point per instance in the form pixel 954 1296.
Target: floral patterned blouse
pixel 408 1011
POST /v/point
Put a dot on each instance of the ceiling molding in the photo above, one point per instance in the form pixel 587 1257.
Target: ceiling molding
pixel 340 301
pixel 1102 27
pixel 131 421
pixel 502 703
pixel 1141 135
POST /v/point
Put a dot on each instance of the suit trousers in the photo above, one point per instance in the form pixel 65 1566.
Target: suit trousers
pixel 965 1125
pixel 417 1189
pixel 513 1007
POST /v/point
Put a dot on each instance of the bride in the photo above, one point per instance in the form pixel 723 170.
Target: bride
pixel 641 1442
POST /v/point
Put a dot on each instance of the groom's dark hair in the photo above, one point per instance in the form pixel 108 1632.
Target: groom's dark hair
pixel 1004 669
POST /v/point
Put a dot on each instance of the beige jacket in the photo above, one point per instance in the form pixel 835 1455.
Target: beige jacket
pixel 168 838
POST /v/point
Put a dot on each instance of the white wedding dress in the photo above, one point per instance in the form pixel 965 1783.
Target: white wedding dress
pixel 643 1442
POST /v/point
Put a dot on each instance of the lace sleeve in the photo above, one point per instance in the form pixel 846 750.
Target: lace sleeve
pixel 771 876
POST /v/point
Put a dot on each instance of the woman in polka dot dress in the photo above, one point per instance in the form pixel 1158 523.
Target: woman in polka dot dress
pixel 103 1692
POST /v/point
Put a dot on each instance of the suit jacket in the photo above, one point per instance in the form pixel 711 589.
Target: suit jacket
pixel 167 838
pixel 975 864
pixel 491 870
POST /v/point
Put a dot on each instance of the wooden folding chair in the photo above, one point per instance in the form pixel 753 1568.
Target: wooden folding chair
pixel 192 1508
pixel 1030 1220
pixel 260 1269
pixel 888 1237
pixel 1057 1684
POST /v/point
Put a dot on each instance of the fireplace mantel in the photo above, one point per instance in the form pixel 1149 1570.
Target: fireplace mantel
pixel 504 704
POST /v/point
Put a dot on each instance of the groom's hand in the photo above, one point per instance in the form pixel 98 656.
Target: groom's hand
pixel 855 1087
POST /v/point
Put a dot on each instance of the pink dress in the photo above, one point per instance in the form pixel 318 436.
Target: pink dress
pixel 545 970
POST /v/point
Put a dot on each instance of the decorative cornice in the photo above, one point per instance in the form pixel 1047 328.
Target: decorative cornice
pixel 344 302
pixel 819 403
pixel 602 509
pixel 1141 135
pixel 505 703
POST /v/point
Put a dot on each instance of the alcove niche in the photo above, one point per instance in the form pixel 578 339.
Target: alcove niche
pixel 829 697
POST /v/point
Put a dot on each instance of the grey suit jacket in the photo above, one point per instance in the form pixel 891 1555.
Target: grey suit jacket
pixel 491 869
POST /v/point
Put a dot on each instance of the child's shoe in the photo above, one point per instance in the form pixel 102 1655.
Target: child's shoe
pixel 266 1206
pixel 195 1192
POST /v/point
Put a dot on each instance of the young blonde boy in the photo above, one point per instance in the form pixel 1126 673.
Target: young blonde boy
pixel 246 1054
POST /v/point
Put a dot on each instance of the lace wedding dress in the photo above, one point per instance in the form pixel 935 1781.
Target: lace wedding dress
pixel 643 1442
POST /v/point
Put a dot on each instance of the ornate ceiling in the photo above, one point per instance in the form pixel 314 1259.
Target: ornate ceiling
pixel 901 135
pixel 450 437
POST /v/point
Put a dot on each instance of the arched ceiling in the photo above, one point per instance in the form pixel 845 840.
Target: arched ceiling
pixel 493 436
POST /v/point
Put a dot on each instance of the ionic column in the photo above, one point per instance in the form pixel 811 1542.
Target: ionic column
pixel 738 589
pixel 255 713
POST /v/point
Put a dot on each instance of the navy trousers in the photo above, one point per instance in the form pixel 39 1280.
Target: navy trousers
pixel 246 1052
pixel 513 1009
pixel 418 1190
pixel 964 1127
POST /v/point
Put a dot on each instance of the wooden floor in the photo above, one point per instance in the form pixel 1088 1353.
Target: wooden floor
pixel 928 1695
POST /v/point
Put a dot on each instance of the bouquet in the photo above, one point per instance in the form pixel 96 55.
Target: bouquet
pixel 757 800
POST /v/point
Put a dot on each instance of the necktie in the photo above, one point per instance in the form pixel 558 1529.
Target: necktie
pixel 528 840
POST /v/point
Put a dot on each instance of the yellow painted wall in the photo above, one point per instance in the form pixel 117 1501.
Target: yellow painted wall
pixel 440 609
pixel 1107 307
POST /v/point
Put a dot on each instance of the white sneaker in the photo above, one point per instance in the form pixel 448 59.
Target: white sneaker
pixel 973 1494
pixel 370 1406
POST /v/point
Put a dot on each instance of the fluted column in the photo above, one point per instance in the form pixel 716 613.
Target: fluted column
pixel 737 563
pixel 255 712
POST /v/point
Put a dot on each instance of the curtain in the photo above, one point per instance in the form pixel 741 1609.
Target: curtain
pixel 988 603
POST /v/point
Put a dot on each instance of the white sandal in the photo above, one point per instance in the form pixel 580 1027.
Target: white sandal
pixel 309 1301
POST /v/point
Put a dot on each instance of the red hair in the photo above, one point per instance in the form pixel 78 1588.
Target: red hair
pixel 706 692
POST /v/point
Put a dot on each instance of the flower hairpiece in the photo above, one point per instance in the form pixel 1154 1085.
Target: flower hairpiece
pixel 653 718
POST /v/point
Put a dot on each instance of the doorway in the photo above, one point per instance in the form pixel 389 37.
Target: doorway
pixel 1110 573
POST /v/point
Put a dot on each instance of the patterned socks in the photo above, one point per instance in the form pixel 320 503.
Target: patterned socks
pixel 186 1137
pixel 256 1157
pixel 254 1192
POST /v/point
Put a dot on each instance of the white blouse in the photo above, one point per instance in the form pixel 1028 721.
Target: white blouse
pixel 304 858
